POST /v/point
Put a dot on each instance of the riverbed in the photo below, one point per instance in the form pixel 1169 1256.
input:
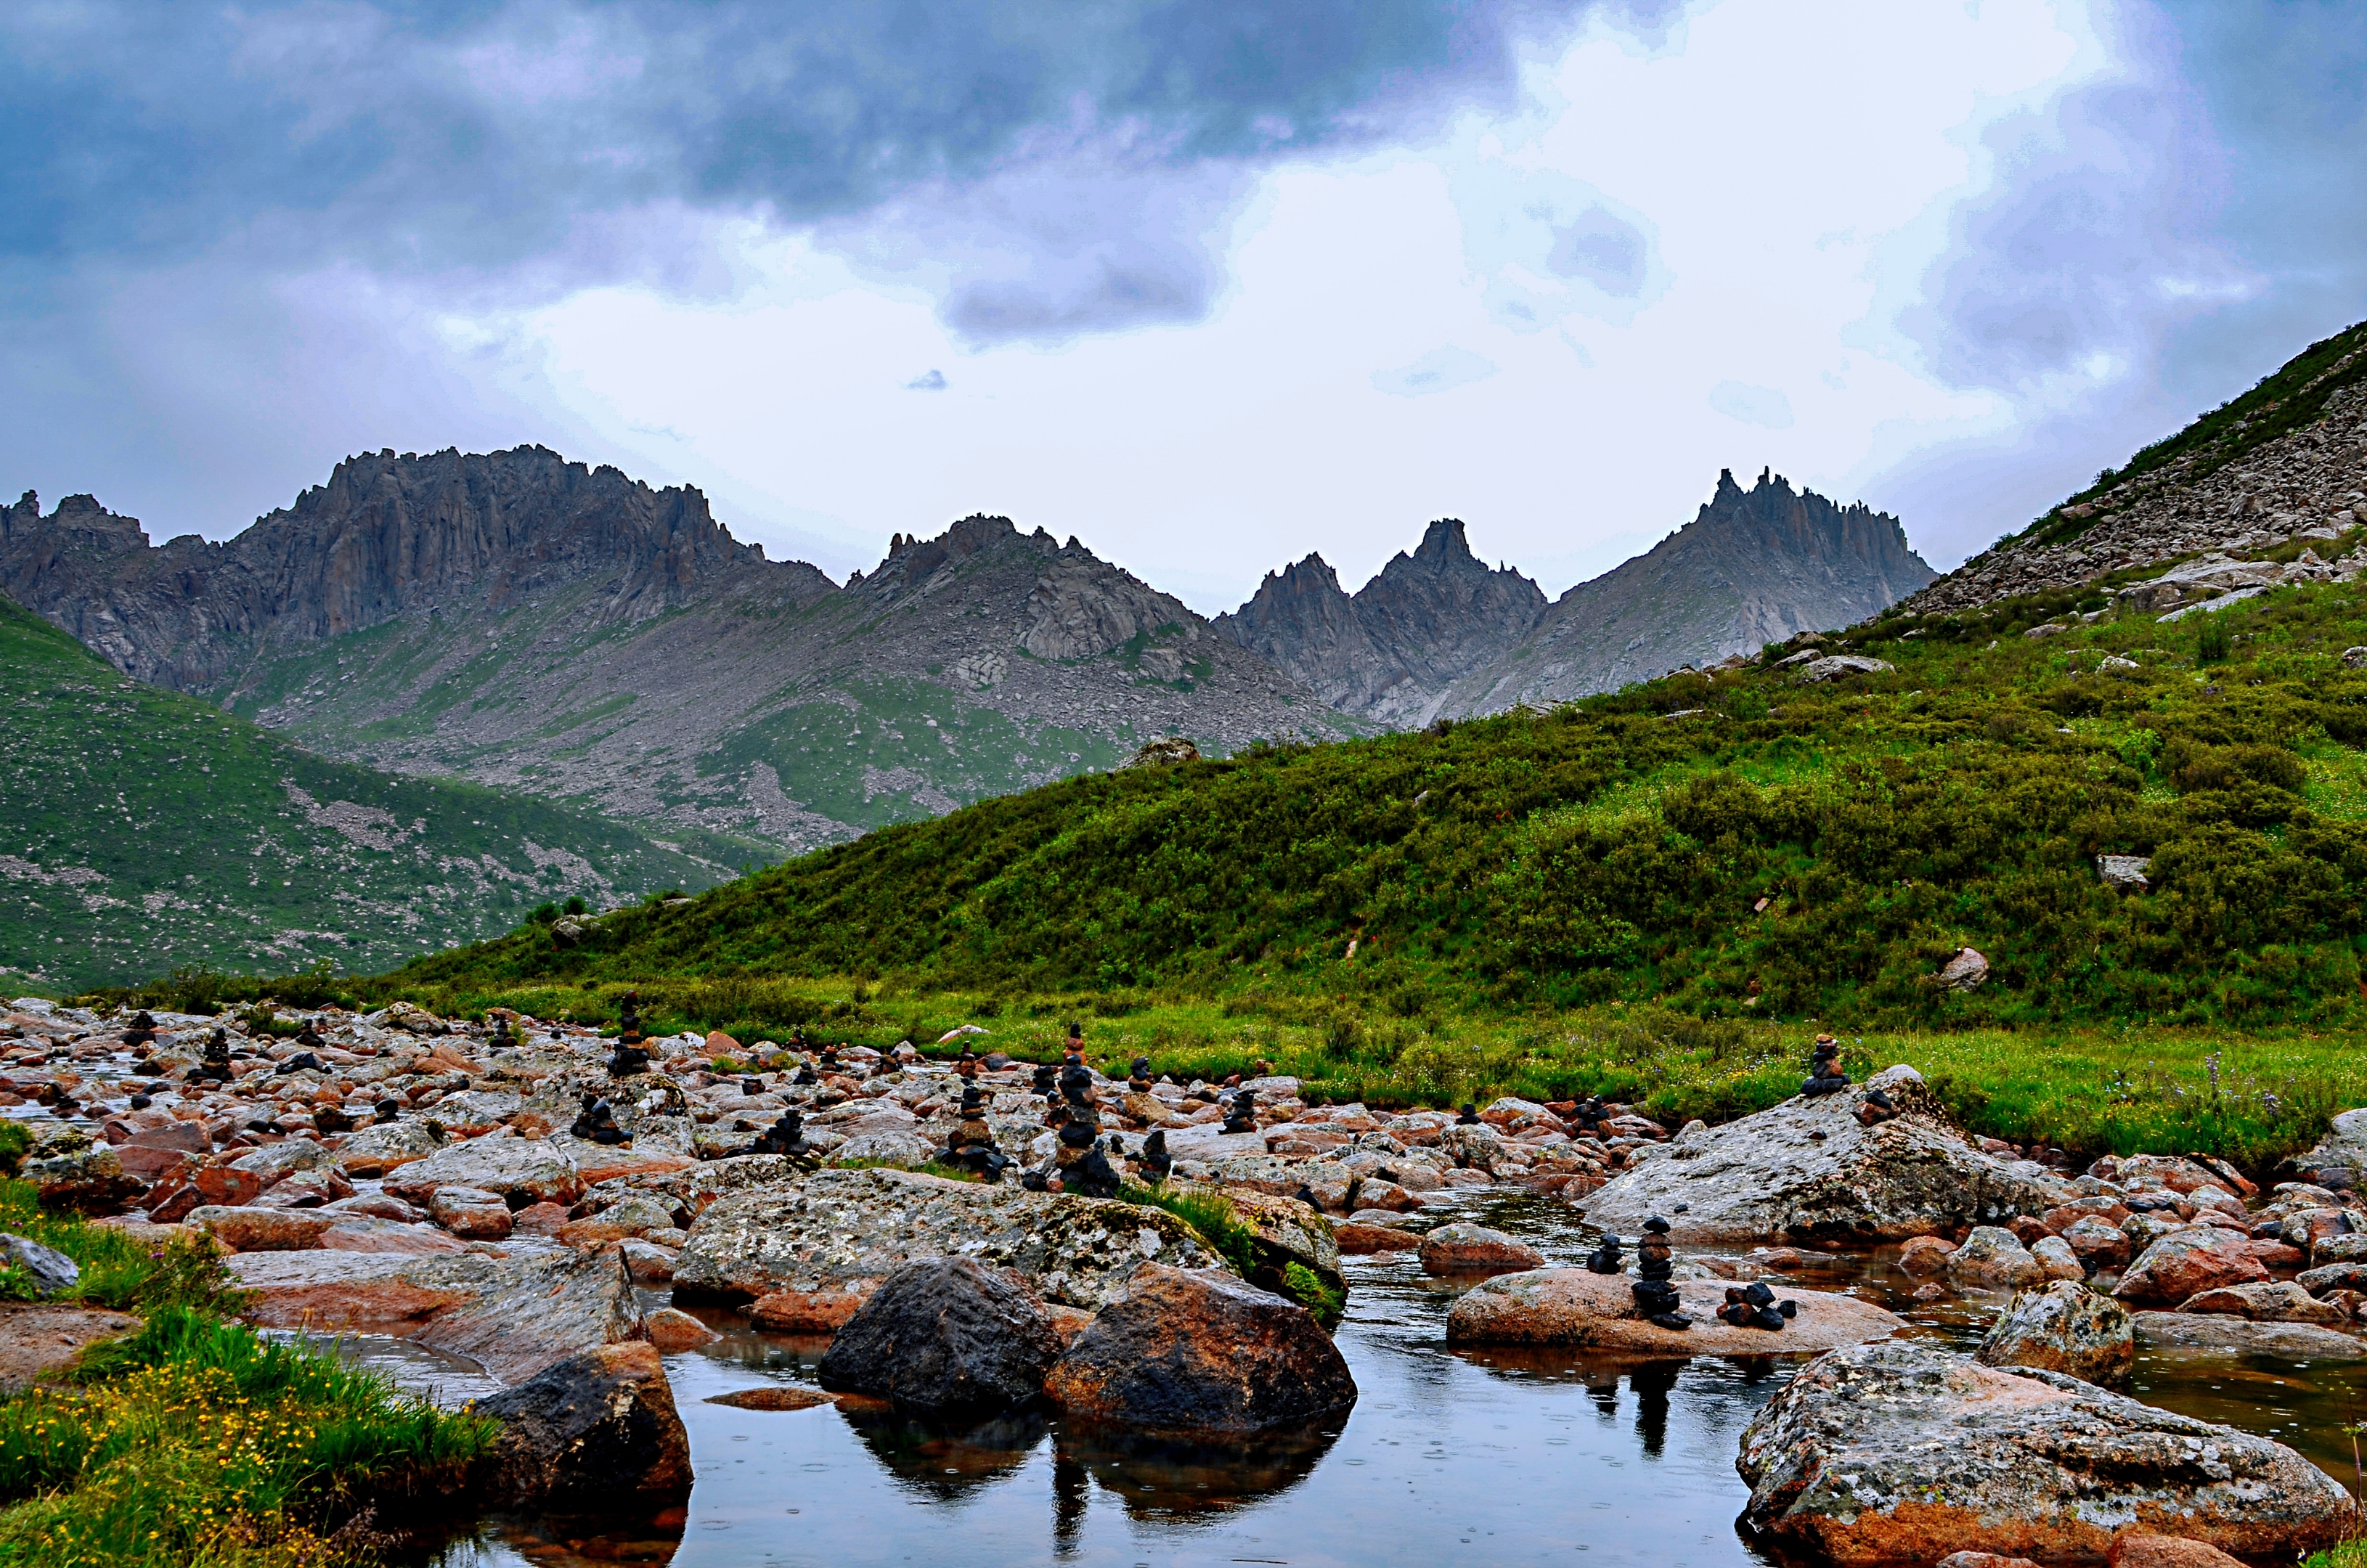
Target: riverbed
pixel 1448 1457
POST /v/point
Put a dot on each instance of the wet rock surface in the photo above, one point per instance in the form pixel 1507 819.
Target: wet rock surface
pixel 1902 1453
pixel 945 1335
pixel 2064 1327
pixel 1191 1352
pixel 595 1432
pixel 1808 1170
pixel 1576 1308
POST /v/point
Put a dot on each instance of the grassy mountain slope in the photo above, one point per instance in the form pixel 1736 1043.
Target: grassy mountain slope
pixel 1619 849
pixel 141 831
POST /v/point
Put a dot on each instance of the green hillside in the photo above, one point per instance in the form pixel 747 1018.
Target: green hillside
pixel 142 831
pixel 1617 850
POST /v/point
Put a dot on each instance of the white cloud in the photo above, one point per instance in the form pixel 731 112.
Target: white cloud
pixel 1753 405
pixel 1440 370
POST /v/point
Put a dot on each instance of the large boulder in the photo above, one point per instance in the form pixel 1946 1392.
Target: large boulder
pixel 2280 1302
pixel 945 1335
pixel 2221 1331
pixel 382 1145
pixel 1901 1453
pixel 593 1433
pixel 514 1316
pixel 80 1175
pixel 1189 1352
pixel 1577 1308
pixel 835 1234
pixel 1808 1171
pixel 1289 1231
pixel 2064 1327
pixel 521 1170
pixel 2187 1262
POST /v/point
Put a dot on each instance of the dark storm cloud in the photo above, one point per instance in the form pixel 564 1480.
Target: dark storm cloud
pixel 439 136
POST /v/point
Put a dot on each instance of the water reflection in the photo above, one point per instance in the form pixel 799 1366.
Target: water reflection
pixel 1176 1482
pixel 943 1461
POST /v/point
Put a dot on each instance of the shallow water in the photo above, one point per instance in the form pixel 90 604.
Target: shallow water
pixel 1497 1457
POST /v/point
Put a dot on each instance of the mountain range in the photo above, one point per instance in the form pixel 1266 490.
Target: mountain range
pixel 533 624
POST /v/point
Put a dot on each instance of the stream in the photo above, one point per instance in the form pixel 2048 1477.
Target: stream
pixel 1449 1456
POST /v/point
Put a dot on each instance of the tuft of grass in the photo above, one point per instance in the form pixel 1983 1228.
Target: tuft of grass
pixel 196 1440
pixel 116 1271
pixel 1209 1214
pixel 1326 1302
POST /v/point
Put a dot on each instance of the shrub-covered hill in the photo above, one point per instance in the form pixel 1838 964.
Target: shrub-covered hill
pixel 1742 843
pixel 141 831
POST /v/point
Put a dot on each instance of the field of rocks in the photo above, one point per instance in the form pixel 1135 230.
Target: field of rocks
pixel 564 1213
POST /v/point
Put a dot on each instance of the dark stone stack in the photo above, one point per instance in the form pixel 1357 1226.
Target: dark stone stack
pixel 597 1124
pixel 1078 1162
pixel 141 1034
pixel 805 1077
pixel 501 1039
pixel 1825 1075
pixel 1588 1117
pixel 1755 1306
pixel 1470 1117
pixel 1656 1298
pixel 966 1065
pixel 1156 1162
pixel 1605 1258
pixel 1045 1083
pixel 216 1065
pixel 629 1058
pixel 787 1137
pixel 308 1037
pixel 1241 1115
pixel 972 1146
pixel 1139 1076
pixel 387 1110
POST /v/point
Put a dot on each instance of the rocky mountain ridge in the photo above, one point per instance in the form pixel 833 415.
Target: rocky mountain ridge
pixel 1390 652
pixel 533 624
pixel 1753 567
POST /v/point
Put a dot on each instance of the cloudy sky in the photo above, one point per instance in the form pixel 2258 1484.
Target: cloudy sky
pixel 1207 283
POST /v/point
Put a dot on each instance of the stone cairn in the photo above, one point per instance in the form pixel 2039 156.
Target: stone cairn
pixel 629 1058
pixel 1825 1075
pixel 1874 1108
pixel 788 1137
pixel 1137 1076
pixel 1468 1116
pixel 216 1065
pixel 308 1037
pixel 972 1146
pixel 1755 1306
pixel 1156 1162
pixel 597 1124
pixel 501 1039
pixel 1240 1116
pixel 1588 1117
pixel 1605 1258
pixel 1656 1297
pixel 1078 1160
pixel 142 1035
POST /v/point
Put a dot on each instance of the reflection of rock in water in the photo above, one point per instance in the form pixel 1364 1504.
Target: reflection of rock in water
pixel 1170 1480
pixel 944 1459
pixel 1652 1383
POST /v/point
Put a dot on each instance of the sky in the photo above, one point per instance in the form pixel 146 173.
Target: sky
pixel 1208 284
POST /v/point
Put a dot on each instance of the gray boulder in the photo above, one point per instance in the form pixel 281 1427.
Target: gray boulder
pixel 2064 1327
pixel 521 1170
pixel 945 1335
pixel 1807 1171
pixel 1900 1452
pixel 840 1232
pixel 50 1270
pixel 2338 1159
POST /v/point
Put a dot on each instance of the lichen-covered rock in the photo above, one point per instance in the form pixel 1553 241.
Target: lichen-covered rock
pixel 1993 1257
pixel 49 1270
pixel 2277 1301
pixel 1198 1352
pixel 1806 1170
pixel 2339 1160
pixel 945 1335
pixel 1289 1230
pixel 839 1233
pixel 1597 1312
pixel 1900 1453
pixel 382 1145
pixel 2223 1331
pixel 89 1180
pixel 2064 1327
pixel 595 1433
pixel 521 1170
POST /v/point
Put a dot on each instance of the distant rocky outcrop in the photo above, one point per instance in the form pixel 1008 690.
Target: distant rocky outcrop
pixel 1753 567
pixel 538 625
pixel 2285 462
pixel 1391 652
